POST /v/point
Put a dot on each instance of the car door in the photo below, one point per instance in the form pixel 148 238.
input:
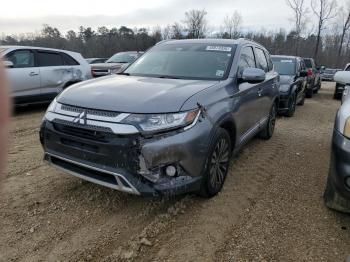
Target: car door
pixel 247 120
pixel 24 75
pixel 266 92
pixel 54 72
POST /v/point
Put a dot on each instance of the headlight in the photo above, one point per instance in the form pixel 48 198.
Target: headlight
pixel 284 88
pixel 114 71
pixel 51 108
pixel 161 122
pixel 347 128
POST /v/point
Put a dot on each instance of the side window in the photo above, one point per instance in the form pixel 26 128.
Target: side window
pixel 68 60
pixel 246 60
pixel 261 61
pixel 347 68
pixel 21 58
pixel 49 59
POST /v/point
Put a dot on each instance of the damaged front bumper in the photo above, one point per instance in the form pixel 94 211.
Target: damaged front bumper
pixel 339 174
pixel 130 163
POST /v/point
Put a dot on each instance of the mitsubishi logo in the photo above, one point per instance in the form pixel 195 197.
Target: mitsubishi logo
pixel 81 118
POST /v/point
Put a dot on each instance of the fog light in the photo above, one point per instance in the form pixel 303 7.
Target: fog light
pixel 170 171
pixel 347 182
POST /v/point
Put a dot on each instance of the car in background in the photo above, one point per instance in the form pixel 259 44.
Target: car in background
pixel 114 64
pixel 293 82
pixel 38 74
pixel 339 87
pixel 96 60
pixel 337 193
pixel 169 123
pixel 314 77
pixel 328 74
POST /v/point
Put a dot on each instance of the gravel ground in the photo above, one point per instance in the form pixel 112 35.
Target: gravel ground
pixel 270 209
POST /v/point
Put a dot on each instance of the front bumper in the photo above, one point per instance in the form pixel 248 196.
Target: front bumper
pixel 129 163
pixel 340 164
pixel 283 105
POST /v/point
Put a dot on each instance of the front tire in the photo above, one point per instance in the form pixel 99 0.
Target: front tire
pixel 333 200
pixel 292 103
pixel 302 102
pixel 309 93
pixel 217 164
pixel 269 129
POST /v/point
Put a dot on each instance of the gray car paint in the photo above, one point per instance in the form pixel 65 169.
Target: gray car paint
pixel 243 107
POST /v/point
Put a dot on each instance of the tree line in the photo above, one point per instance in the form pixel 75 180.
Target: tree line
pixel 321 29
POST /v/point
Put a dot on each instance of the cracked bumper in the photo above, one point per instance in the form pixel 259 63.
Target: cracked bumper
pixel 127 163
pixel 340 164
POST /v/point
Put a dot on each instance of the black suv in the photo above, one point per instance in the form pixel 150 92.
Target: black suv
pixel 293 82
pixel 314 77
pixel 170 122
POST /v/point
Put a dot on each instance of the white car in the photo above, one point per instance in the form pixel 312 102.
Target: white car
pixel 337 193
pixel 38 74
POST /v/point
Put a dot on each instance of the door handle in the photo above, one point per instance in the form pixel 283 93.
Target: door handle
pixel 33 74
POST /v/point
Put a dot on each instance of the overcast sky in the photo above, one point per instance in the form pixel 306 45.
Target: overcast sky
pixel 22 16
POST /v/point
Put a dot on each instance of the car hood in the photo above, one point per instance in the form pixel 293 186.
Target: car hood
pixel 133 94
pixel 286 79
pixel 107 65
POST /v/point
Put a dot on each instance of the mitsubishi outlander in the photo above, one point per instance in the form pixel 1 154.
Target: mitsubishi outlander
pixel 170 122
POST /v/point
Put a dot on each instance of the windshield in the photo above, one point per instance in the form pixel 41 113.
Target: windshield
pixel 185 61
pixel 330 71
pixel 284 66
pixel 123 58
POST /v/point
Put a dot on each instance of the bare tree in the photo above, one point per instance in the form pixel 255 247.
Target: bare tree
pixel 345 23
pixel 232 25
pixel 196 23
pixel 324 11
pixel 300 19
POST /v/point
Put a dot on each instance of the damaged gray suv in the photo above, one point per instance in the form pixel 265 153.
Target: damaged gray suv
pixel 170 122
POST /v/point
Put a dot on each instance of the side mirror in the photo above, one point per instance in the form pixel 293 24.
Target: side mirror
pixel 8 64
pixel 342 77
pixel 303 73
pixel 253 75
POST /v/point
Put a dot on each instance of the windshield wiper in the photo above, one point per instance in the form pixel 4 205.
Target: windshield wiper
pixel 124 74
pixel 169 77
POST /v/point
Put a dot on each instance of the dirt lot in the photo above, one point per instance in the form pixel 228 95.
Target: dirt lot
pixel 271 208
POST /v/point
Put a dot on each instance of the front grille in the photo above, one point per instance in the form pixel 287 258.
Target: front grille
pixel 93 112
pixel 100 134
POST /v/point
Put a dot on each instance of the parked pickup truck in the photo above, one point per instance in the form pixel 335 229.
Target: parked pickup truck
pixel 170 122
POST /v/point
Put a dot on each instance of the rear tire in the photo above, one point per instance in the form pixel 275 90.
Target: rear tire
pixel 269 129
pixel 217 164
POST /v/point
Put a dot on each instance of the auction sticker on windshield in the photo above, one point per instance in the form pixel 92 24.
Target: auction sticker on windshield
pixel 219 48
pixel 286 61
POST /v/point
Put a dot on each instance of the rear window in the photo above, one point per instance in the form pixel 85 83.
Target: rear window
pixel 284 66
pixel 50 59
pixel 308 63
pixel 68 60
